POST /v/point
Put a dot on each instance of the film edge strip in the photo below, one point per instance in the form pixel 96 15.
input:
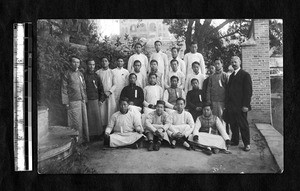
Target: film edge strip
pixel 22 96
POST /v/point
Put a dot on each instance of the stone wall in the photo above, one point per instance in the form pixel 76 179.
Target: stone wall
pixel 255 60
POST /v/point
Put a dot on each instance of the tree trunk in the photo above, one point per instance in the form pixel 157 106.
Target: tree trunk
pixel 188 35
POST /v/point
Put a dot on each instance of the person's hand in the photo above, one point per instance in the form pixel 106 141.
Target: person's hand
pixel 245 109
pixel 107 93
pixel 106 135
pixel 198 108
pixel 174 107
pixel 150 106
pixel 195 138
pixel 179 135
pixel 131 103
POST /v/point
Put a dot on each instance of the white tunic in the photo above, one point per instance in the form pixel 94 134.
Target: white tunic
pixel 162 60
pixel 181 65
pixel 152 93
pixel 188 85
pixel 123 126
pixel 179 74
pixel 120 77
pixel 181 122
pixel 109 105
pixel 144 63
pixel 189 58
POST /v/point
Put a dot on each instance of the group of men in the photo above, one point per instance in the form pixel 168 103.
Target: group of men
pixel 161 100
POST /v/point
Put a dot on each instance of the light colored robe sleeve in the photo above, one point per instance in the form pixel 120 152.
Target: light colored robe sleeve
pixel 183 95
pixel 166 65
pixel 149 121
pixel 112 123
pixel 197 127
pixel 130 64
pixel 112 89
pixel 222 129
pixel 202 65
pixel 137 123
pixel 183 67
pixel 187 81
pixel 146 104
pixel 182 81
pixel 185 59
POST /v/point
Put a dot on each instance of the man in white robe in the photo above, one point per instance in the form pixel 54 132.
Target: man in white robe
pixel 160 57
pixel 175 72
pixel 156 126
pixel 181 63
pixel 194 56
pixel 138 56
pixel 197 75
pixel 108 107
pixel 141 79
pixel 120 77
pixel 152 93
pixel 206 132
pixel 127 128
pixel 182 125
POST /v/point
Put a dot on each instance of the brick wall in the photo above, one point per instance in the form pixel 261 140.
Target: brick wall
pixel 255 60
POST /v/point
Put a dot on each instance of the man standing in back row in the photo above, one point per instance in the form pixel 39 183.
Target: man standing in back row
pixel 192 57
pixel 237 103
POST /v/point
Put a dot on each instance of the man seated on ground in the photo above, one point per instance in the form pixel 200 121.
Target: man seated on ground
pixel 182 125
pixel 127 128
pixel 156 125
pixel 152 93
pixel 194 99
pixel 205 134
pixel 172 93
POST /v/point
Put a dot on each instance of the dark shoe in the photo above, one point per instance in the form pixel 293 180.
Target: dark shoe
pixel 157 146
pixel 188 148
pixel 150 148
pixel 247 148
pixel 207 151
pixel 215 151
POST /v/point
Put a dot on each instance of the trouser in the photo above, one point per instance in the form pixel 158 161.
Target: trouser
pixel 94 119
pixel 151 137
pixel 77 119
pixel 217 109
pixel 238 123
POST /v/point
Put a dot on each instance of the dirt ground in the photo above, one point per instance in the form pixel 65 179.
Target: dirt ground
pixel 179 160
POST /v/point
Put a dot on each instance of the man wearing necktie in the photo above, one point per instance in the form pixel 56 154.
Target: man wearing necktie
pixel 237 103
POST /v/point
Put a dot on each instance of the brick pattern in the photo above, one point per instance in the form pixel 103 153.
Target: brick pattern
pixel 255 60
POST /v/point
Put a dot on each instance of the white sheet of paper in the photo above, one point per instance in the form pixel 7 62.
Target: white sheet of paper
pixel 135 93
pixel 200 98
pixel 220 83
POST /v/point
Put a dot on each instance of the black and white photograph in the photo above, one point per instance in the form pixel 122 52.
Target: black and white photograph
pixel 157 96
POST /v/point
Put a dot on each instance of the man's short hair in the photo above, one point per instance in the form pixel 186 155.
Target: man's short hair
pixel 207 104
pixel 120 58
pixel 195 63
pixel 236 58
pixel 74 56
pixel 123 99
pixel 160 102
pixel 132 74
pixel 180 99
pixel 174 60
pixel 153 61
pixel 194 79
pixel 105 57
pixel 174 77
pixel 152 74
pixel 219 59
pixel 157 41
pixel 138 43
pixel 136 61
pixel 174 48
pixel 89 60
pixel 194 42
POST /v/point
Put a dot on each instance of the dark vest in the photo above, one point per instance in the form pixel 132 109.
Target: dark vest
pixel 174 94
pixel 207 123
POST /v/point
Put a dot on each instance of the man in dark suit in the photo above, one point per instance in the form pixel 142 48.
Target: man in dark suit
pixel 237 103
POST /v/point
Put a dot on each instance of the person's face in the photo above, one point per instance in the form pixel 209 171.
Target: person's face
pixel 91 65
pixel 153 66
pixel 212 70
pixel 75 62
pixel 159 109
pixel 123 106
pixel 196 68
pixel 174 83
pixel 180 105
pixel 195 84
pixel 132 79
pixel 152 79
pixel 207 111
pixel 235 63
pixel 218 65
pixel 194 48
pixel 174 66
pixel 174 53
pixel 105 63
pixel 120 63
pixel 157 46
pixel 138 48
pixel 137 67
